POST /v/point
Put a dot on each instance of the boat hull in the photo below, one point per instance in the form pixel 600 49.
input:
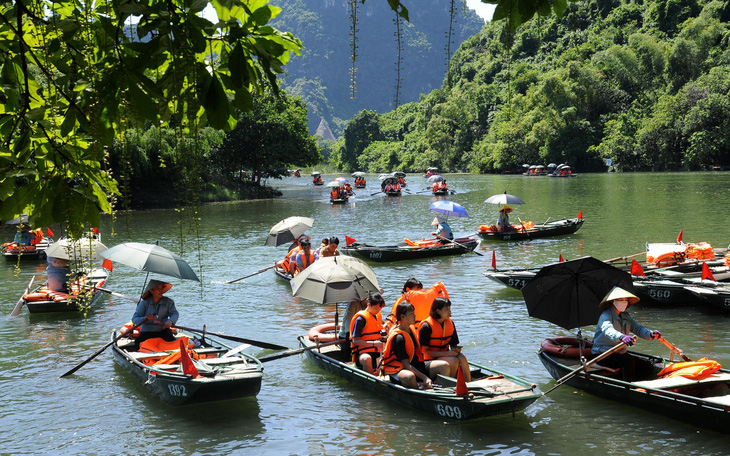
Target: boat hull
pixel 713 414
pixel 512 279
pixel 555 228
pixel 442 402
pixel 11 253
pixel 179 389
pixel 404 252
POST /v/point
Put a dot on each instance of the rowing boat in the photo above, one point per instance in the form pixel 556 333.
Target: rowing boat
pixel 12 251
pixel 490 393
pixel 282 274
pixel 224 377
pixel 410 250
pixel 703 402
pixel 83 293
pixel 520 232
pixel 718 297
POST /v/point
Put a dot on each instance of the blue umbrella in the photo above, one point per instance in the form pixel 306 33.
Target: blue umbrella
pixel 449 208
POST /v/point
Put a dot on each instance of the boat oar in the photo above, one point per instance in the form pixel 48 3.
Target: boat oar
pixel 459 244
pixel 113 293
pixel 251 275
pixel 524 228
pixel 296 351
pixel 570 375
pixel 98 352
pixel 612 260
pixel 257 343
pixel 373 194
pixel 21 301
pixel 674 348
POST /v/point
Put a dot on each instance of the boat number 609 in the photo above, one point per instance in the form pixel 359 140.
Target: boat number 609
pixel 448 411
pixel 177 390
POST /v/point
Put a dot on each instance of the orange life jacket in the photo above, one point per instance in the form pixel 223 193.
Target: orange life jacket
pixel 392 365
pixel 440 336
pixel 307 261
pixel 698 370
pixel 288 260
pixel 422 299
pixel 371 331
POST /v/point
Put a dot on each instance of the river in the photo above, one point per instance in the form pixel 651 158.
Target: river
pixel 300 410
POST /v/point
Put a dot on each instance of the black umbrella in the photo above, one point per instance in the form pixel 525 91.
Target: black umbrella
pixel 568 293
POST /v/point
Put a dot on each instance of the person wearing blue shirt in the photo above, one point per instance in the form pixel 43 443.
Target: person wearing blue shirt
pixel 614 325
pixel 157 313
pixel 443 229
pixel 306 257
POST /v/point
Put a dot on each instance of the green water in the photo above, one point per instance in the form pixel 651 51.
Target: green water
pixel 300 410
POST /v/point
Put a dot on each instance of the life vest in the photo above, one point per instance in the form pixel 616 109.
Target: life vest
pixel 287 263
pixel 440 336
pixel 700 251
pixel 307 261
pixel 392 365
pixel 697 370
pixel 422 299
pixel 371 331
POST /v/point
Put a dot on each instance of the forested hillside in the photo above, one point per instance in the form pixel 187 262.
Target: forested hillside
pixel 321 75
pixel 644 83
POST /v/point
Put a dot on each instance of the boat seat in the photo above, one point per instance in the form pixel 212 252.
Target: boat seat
pixel 677 382
pixel 721 400
pixel 228 360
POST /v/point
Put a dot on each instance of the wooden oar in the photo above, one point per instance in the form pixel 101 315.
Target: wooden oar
pixel 674 348
pixel 612 260
pixel 257 343
pixel 113 293
pixel 373 194
pixel 251 275
pixel 570 375
pixel 21 301
pixel 98 352
pixel 233 351
pixel 460 245
pixel 524 228
pixel 296 351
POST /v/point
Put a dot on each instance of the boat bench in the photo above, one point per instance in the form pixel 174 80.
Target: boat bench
pixel 200 351
pixel 677 382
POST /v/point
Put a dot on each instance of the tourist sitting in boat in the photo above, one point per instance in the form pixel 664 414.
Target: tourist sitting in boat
pixel 402 357
pixel 157 312
pixel 58 272
pixel 443 230
pixel 331 249
pixel 289 262
pixel 348 189
pixel 322 246
pixel 614 325
pixel 365 331
pixel 503 223
pixel 439 186
pixel 439 340
pixel 411 284
pixel 413 293
pixel 305 257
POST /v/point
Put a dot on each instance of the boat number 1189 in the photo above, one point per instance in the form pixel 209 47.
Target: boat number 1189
pixel 449 411
pixel 177 390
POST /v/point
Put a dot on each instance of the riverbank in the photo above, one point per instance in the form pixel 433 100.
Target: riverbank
pixel 165 196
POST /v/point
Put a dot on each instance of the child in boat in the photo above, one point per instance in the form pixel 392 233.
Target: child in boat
pixel 365 331
pixel 402 357
pixel 614 325
pixel 439 340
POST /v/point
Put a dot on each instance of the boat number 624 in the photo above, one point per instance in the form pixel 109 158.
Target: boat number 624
pixel 177 390
pixel 449 411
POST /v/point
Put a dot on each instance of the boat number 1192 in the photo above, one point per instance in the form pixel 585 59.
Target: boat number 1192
pixel 177 390
pixel 449 411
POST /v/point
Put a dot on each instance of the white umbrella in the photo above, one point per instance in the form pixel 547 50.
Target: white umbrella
pixel 334 183
pixel 504 198
pixel 151 258
pixel 83 249
pixel 434 178
pixel 335 279
pixel 288 229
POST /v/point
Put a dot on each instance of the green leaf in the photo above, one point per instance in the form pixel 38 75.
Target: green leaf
pixel 145 104
pixel 69 122
pixel 559 6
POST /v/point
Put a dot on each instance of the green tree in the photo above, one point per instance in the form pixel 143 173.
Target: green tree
pixel 359 133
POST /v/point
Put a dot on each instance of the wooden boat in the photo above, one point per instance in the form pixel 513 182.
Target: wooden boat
pixel 282 274
pixel 342 200
pixel 718 297
pixel 42 299
pixel 514 278
pixel 701 402
pixel 441 191
pixel 547 229
pixel 410 250
pixel 490 393
pixel 12 251
pixel 224 376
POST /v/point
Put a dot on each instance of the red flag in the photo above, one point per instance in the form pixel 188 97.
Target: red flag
pixel 580 214
pixel 96 230
pixel 706 273
pixel 679 238
pixel 494 260
pixel 349 240
pixel 561 259
pixel 107 264
pixel 461 388
pixel 187 363
pixel 636 269
pixel 50 233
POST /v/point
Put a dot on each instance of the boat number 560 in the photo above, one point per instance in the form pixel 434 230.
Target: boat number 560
pixel 177 390
pixel 449 411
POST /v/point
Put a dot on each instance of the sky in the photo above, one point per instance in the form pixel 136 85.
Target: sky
pixel 483 9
